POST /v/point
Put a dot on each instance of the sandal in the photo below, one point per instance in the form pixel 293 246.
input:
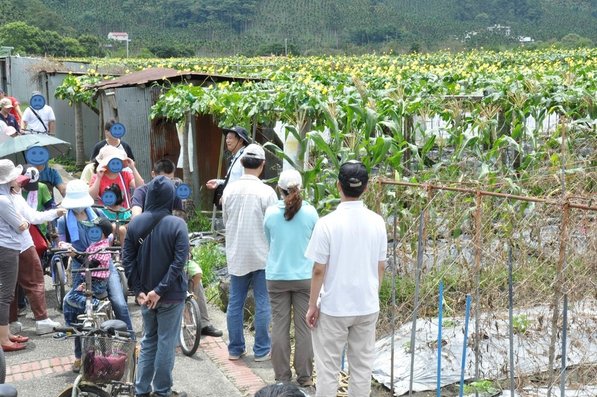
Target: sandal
pixel 18 338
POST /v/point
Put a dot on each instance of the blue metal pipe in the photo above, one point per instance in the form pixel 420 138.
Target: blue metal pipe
pixel 464 343
pixel 439 337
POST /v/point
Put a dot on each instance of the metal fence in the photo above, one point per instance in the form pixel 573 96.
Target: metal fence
pixel 527 265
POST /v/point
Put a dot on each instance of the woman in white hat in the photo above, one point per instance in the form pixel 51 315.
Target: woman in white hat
pixel 11 226
pixel 106 175
pixel 73 229
pixel 288 226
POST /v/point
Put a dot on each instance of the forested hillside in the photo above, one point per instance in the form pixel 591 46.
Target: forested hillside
pixel 251 27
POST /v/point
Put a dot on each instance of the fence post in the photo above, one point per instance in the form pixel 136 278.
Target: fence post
pixel 420 249
pixel 561 265
pixel 478 213
pixel 393 312
pixel 557 294
pixel 511 319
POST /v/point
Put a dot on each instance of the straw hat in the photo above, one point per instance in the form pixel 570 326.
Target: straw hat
pixel 108 153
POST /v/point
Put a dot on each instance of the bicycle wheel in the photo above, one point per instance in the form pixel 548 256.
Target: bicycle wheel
pixel 190 327
pixel 58 280
pixel 85 391
pixel 2 367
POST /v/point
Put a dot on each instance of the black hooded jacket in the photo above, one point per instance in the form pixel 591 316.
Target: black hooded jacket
pixel 157 263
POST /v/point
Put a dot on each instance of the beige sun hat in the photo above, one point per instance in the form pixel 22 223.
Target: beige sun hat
pixel 8 171
pixel 108 153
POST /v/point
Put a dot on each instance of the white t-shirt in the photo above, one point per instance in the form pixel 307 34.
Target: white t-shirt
pixel 351 241
pixel 46 114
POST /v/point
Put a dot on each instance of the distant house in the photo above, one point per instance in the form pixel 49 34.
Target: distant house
pixel 118 36
pixel 525 39
pixel 500 29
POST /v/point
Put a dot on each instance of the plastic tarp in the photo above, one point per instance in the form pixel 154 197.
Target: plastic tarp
pixel 530 348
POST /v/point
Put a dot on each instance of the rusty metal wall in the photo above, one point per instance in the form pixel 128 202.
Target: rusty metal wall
pixel 208 139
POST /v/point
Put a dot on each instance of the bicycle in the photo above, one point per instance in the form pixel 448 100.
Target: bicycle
pixel 108 361
pixel 92 316
pixel 5 390
pixel 190 325
pixel 116 258
pixel 55 263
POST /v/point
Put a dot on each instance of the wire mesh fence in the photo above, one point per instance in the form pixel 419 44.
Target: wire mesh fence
pixel 529 266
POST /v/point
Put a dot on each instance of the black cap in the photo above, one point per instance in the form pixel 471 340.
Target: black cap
pixel 240 131
pixel 353 177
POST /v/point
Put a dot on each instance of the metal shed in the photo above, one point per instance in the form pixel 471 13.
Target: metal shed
pixel 128 100
pixel 19 76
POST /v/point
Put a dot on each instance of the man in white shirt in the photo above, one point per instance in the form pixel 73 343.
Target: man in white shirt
pixel 40 121
pixel 349 248
pixel 237 139
pixel 244 203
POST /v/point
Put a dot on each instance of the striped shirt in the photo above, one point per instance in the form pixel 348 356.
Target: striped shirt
pixel 244 203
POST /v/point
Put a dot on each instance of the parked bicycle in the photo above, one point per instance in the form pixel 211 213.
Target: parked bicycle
pixel 190 325
pixel 108 361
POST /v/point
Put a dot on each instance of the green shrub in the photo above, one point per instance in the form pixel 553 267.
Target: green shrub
pixel 211 258
pixel 198 222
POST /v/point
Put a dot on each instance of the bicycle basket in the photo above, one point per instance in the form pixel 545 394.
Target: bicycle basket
pixel 106 359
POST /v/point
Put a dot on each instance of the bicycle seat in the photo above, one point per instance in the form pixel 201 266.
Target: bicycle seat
pixel 8 391
pixel 116 325
pixel 101 296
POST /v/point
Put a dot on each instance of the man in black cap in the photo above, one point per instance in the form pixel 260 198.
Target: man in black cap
pixel 348 248
pixel 236 141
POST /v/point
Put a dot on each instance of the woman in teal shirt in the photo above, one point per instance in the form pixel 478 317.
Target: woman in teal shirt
pixel 288 226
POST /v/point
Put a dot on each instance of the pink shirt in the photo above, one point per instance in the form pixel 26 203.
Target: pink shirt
pixel 125 176
pixel 103 259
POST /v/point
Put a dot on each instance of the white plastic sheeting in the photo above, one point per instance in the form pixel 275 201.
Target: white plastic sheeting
pixel 530 349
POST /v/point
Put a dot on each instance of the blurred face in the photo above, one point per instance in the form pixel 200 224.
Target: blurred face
pixel 233 142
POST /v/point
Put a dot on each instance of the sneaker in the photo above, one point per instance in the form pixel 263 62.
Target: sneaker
pixel 77 366
pixel 234 357
pixel 265 357
pixel 210 330
pixel 46 326
pixel 173 394
pixel 16 327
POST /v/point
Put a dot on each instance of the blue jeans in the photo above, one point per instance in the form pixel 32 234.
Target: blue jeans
pixel 117 298
pixel 78 298
pixel 239 287
pixel 158 348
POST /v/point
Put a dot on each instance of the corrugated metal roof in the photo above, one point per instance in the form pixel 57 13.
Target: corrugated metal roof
pixel 164 74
